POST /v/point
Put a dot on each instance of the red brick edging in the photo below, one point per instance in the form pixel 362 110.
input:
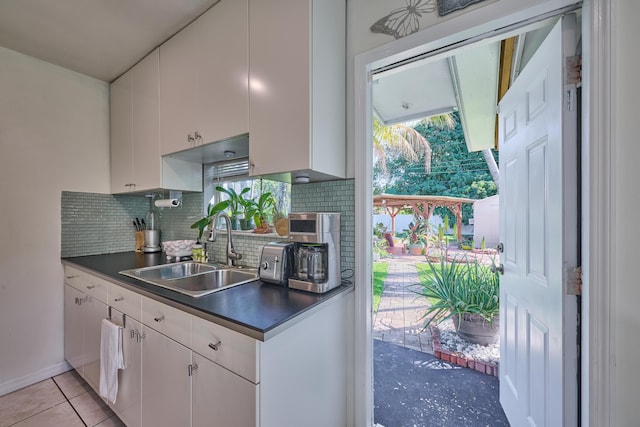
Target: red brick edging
pixel 458 358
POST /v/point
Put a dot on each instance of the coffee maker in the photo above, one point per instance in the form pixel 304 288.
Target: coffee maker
pixel 316 237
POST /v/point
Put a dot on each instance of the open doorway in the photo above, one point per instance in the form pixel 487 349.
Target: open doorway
pixel 535 32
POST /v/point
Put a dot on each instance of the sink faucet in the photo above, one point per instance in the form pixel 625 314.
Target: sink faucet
pixel 232 256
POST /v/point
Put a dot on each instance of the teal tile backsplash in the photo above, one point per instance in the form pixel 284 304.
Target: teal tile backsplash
pixel 101 223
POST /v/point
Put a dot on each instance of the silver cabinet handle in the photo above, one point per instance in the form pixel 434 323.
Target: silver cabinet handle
pixel 192 368
pixel 91 286
pixel 159 319
pixel 215 346
pixel 118 299
pixel 72 276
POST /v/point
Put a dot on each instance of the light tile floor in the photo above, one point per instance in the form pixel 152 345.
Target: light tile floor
pixel 64 400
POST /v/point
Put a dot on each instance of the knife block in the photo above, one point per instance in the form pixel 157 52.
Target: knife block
pixel 139 241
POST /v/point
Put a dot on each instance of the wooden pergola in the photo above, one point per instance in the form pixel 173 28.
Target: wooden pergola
pixel 422 206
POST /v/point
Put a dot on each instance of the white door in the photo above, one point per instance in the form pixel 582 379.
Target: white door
pixel 538 226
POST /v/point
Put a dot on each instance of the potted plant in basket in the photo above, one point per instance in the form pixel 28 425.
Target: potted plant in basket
pixel 468 293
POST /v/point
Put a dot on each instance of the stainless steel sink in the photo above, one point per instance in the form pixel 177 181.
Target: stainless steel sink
pixel 191 278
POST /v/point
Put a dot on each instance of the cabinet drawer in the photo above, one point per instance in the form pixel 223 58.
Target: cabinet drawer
pixel 75 278
pixel 236 352
pixel 174 323
pixel 129 303
pixel 97 288
pixel 87 283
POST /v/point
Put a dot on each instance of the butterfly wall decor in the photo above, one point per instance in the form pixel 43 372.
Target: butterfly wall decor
pixel 405 20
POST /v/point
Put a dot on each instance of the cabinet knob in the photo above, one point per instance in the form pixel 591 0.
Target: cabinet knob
pixel 72 277
pixel 191 140
pixel 118 299
pixel 198 137
pixel 215 346
pixel 159 319
pixel 91 286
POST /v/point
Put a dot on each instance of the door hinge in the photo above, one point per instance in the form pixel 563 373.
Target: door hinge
pixel 573 280
pixel 573 70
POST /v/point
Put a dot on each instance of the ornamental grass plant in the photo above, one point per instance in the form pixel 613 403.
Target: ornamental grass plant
pixel 455 288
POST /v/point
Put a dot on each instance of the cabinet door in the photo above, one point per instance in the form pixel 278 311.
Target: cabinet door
pixel 279 76
pixel 121 123
pixel 223 67
pixel 178 97
pixel 222 398
pixel 73 327
pixel 166 384
pixel 93 311
pixel 146 132
pixel 128 402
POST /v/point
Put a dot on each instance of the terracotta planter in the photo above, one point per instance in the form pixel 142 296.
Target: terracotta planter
pixel 416 249
pixel 476 329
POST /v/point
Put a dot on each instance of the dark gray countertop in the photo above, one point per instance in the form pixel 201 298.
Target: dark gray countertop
pixel 256 309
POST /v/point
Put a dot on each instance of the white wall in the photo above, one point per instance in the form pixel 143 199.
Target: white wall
pixel 486 221
pixel 54 136
pixel 626 176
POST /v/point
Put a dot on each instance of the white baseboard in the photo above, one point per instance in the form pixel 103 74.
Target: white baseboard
pixel 32 378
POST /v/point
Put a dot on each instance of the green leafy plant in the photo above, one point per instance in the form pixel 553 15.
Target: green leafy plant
pixel 418 234
pixel 263 209
pixel 457 288
pixel 212 210
pixel 235 202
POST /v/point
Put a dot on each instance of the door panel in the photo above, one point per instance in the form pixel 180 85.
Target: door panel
pixel 536 202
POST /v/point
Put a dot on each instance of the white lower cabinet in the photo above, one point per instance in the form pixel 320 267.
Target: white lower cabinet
pixel 128 402
pixel 166 384
pixel 73 327
pixel 222 398
pixel 83 316
pixel 182 370
pixel 93 311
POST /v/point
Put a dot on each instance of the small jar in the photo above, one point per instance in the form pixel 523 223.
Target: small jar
pixel 198 253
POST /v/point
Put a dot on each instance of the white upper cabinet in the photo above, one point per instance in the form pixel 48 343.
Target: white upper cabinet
pixel 136 163
pixel 204 91
pixel 135 148
pixel 297 86
pixel 121 123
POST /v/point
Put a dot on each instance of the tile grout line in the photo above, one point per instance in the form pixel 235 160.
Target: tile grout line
pixel 70 404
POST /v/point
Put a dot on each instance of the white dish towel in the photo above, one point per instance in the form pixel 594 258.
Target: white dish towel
pixel 111 359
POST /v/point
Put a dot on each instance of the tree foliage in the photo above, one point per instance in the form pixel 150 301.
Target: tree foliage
pixel 454 171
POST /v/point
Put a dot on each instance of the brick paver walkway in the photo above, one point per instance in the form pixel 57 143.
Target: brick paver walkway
pixel 398 319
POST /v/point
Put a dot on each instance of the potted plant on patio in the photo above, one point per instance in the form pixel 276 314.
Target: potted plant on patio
pixel 468 293
pixel 417 238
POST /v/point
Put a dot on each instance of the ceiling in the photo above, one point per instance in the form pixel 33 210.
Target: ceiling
pixel 99 38
pixel 465 81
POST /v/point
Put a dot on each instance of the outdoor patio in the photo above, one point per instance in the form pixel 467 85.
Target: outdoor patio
pixel 412 387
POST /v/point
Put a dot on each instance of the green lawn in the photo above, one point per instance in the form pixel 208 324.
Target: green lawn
pixel 380 270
